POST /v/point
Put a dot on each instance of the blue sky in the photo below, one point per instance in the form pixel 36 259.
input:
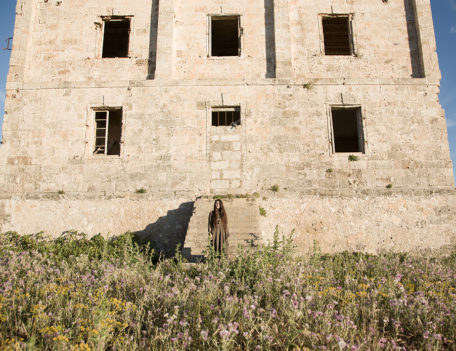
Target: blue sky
pixel 444 12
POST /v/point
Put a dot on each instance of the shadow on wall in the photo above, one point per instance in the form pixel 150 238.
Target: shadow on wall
pixel 270 38
pixel 416 52
pixel 153 40
pixel 168 232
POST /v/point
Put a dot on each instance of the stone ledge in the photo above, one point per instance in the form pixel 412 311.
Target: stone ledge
pixel 287 194
pixel 158 83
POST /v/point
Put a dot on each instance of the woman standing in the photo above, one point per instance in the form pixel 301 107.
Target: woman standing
pixel 218 228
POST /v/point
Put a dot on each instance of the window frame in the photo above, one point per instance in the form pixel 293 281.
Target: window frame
pixel 351 34
pixel 102 27
pixel 240 36
pixel 362 133
pixel 226 108
pixel 93 131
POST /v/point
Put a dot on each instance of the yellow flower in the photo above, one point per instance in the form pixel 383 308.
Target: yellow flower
pixel 60 338
pixel 81 347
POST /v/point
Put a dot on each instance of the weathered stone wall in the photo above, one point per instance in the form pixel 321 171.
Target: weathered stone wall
pixel 369 221
pixel 168 138
pixel 285 87
pixel 61 41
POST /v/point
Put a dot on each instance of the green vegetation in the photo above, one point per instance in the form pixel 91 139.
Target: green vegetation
pixel 353 158
pixel 141 191
pixel 76 293
pixel 61 192
pixel 389 186
pixel 275 188
pixel 262 211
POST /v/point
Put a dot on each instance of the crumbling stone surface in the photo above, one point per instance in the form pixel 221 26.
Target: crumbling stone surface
pixel 284 85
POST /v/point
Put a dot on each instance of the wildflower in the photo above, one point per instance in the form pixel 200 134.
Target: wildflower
pixel 274 313
pixel 224 333
pixel 204 334
pixel 382 342
pixel 426 334
pixel 342 344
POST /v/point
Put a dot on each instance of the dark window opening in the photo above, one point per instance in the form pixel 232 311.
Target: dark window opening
pixel 116 37
pixel 337 36
pixel 108 132
pixel 226 116
pixel 347 129
pixel 225 36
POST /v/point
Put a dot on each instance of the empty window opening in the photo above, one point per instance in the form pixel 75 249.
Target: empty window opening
pixel 337 35
pixel 226 116
pixel 225 36
pixel 116 37
pixel 347 129
pixel 108 132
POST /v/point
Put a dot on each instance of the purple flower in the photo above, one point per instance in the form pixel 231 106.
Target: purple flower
pixel 204 334
pixel 274 313
pixel 224 333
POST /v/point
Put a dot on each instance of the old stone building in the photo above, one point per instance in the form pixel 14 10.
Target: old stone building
pixel 120 114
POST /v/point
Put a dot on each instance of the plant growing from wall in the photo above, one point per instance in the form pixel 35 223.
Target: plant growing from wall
pixel 353 158
pixel 262 211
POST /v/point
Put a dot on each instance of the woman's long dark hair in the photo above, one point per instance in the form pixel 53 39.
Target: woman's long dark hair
pixel 221 213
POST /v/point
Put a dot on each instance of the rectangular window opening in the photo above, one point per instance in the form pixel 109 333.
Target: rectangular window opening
pixel 225 36
pixel 108 132
pixel 347 129
pixel 116 37
pixel 337 35
pixel 226 116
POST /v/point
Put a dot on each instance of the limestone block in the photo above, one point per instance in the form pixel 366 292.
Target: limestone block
pixel 232 174
pixel 220 165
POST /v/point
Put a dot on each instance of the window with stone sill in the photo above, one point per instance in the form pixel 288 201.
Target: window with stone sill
pixel 108 132
pixel 347 129
pixel 225 36
pixel 116 37
pixel 337 35
pixel 226 116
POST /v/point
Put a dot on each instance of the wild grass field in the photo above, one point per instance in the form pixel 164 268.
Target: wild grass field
pixel 78 294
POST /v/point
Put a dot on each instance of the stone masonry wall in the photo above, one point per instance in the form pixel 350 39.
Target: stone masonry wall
pixel 285 87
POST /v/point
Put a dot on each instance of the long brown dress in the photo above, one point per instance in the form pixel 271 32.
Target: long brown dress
pixel 219 233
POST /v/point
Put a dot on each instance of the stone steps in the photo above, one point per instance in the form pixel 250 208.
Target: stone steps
pixel 243 225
